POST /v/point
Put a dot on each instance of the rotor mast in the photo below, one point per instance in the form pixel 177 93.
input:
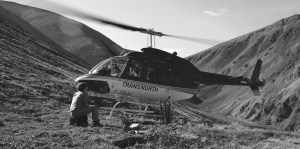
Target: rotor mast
pixel 152 35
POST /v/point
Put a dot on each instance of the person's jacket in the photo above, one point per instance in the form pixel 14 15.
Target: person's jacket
pixel 79 100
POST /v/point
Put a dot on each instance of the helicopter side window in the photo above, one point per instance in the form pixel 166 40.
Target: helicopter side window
pixel 155 73
pixel 135 68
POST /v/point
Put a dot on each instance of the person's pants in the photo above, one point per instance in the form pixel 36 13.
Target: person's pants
pixel 85 111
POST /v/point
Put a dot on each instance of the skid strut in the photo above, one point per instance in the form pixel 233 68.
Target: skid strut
pixel 165 108
pixel 166 111
pixel 112 110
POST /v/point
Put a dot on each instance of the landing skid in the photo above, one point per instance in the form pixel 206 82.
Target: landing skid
pixel 139 111
pixel 165 108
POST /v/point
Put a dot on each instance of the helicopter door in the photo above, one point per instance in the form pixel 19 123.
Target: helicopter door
pixel 134 70
pixel 155 73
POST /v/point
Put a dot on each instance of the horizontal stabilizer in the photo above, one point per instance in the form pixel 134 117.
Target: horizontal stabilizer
pixel 257 94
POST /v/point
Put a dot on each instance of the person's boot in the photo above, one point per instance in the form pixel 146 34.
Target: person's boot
pixel 72 121
pixel 82 121
pixel 96 124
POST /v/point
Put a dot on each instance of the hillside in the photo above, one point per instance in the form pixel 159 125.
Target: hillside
pixel 71 35
pixel 36 33
pixel 278 45
pixel 36 87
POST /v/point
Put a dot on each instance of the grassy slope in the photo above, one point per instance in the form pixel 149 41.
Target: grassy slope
pixel 36 83
pixel 35 90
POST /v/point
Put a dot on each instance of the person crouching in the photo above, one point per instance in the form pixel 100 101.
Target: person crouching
pixel 79 106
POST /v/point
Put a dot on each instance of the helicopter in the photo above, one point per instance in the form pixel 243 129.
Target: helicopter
pixel 153 75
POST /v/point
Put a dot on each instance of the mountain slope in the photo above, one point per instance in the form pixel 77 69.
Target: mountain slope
pixel 73 36
pixel 278 45
pixel 36 33
pixel 28 60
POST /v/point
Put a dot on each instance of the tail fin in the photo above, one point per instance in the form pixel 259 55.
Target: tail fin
pixel 256 71
pixel 255 79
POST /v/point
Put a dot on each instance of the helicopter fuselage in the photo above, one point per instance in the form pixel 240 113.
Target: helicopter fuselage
pixel 144 77
pixel 153 75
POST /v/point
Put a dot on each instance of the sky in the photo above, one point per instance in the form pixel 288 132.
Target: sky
pixel 219 20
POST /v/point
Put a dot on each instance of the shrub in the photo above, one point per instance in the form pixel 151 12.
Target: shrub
pixel 166 137
pixel 163 136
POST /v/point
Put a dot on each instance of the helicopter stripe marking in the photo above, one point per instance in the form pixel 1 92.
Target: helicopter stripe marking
pixel 103 78
pixel 140 86
pixel 123 93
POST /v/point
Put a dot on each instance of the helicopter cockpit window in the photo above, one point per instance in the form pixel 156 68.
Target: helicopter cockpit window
pixel 135 68
pixel 155 73
pixel 111 67
pixel 117 66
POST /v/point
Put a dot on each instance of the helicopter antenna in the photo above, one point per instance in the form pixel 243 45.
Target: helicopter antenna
pixel 123 50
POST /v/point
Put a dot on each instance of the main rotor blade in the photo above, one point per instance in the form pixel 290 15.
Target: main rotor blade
pixel 199 40
pixel 71 11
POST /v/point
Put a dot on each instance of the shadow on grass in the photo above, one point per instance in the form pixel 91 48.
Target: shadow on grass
pixel 1 124
pixel 131 141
